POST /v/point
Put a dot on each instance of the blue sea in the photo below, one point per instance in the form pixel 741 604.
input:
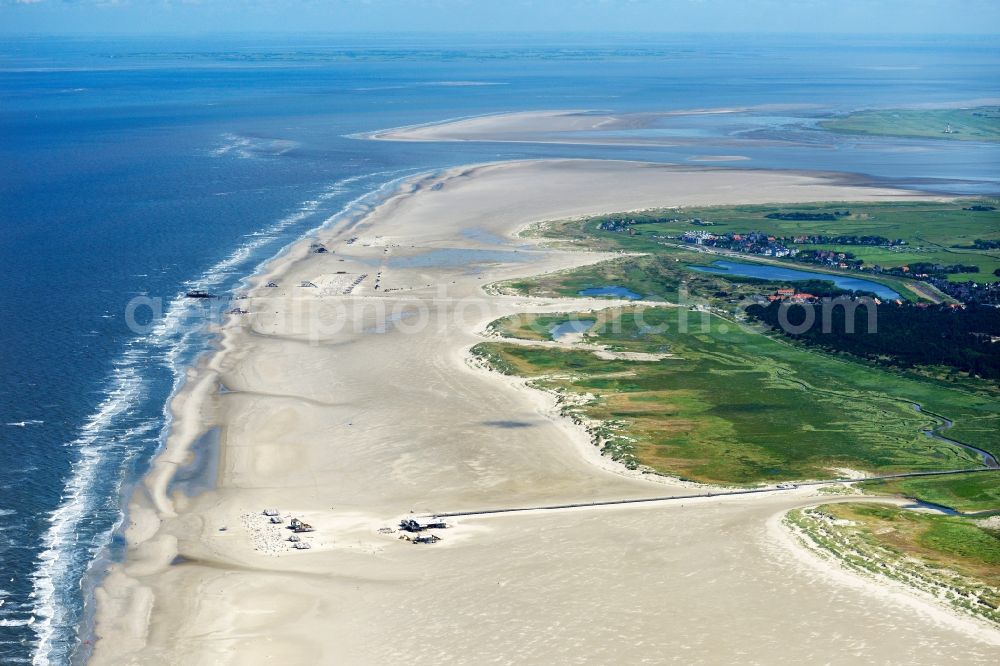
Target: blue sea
pixel 146 168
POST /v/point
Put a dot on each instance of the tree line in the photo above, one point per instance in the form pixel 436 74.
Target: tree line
pixel 903 336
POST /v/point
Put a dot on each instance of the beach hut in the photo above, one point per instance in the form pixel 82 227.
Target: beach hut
pixel 271 512
pixel 430 538
pixel 298 526
pixel 432 522
pixel 421 524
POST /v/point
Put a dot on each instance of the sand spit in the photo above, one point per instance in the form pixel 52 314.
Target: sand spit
pixel 351 410
pixel 804 552
pixel 518 126
pixel 581 127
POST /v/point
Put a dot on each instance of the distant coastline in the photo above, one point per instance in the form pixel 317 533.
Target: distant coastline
pixel 981 123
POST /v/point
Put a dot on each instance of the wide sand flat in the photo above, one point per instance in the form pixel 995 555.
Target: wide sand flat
pixel 351 410
pixel 582 127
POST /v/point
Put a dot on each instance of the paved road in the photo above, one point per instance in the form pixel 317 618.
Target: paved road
pixel 721 493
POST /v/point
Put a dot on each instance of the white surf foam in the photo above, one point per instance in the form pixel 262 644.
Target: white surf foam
pixel 249 147
pixel 56 563
pixel 59 565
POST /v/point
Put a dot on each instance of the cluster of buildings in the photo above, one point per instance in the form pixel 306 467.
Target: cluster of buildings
pixel 830 258
pixel 791 296
pixel 418 525
pixel 753 242
pixel 980 293
pixel 297 526
pixel 768 245
pixel 870 241
pixel 967 292
pixel 624 224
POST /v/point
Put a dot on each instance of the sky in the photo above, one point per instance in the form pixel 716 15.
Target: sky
pixel 276 16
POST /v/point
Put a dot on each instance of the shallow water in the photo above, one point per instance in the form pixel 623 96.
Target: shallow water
pixel 567 328
pixel 779 274
pixel 610 290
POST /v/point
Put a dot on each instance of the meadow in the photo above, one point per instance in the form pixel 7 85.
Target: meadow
pixel 662 276
pixel 967 493
pixel 933 232
pixel 732 406
pixel 953 558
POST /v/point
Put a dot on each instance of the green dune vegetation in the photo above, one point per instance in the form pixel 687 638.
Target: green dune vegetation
pixel 975 124
pixel 700 391
pixel 697 389
pixel 734 403
pixel 891 235
pixel 956 559
pixel 696 395
pixel 954 248
pixel 967 493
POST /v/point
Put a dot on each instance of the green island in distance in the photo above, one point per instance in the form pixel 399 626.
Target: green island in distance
pixel 972 124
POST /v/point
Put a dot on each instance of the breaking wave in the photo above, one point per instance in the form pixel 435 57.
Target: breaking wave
pixel 121 432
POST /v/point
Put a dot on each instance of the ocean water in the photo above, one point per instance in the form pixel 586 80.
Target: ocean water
pixel 145 168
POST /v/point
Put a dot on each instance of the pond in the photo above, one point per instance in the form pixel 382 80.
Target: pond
pixel 566 328
pixel 780 274
pixel 610 290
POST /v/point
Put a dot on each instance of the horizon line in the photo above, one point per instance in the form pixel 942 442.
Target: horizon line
pixel 512 33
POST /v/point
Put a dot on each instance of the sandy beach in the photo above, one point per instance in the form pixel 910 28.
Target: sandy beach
pixel 502 127
pixel 582 126
pixel 351 402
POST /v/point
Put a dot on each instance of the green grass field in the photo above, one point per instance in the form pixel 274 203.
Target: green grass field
pixel 734 406
pixel 956 541
pixel 934 232
pixel 954 558
pixel 535 326
pixel 978 124
pixel 660 277
pixel 968 493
